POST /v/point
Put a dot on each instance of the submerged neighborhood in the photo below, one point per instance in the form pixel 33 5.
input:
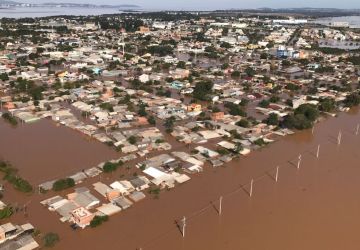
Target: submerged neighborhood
pixel 173 94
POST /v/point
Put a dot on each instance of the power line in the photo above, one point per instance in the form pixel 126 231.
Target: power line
pixel 185 220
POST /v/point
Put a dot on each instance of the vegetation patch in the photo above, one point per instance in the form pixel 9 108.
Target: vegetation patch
pixel 50 239
pixel 10 175
pixel 111 167
pixel 98 220
pixel 9 118
pixel 6 212
pixel 303 118
pixel 63 184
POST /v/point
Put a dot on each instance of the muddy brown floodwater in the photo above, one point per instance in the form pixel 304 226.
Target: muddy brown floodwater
pixel 314 207
pixel 44 151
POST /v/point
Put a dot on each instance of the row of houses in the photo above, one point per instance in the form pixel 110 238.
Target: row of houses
pixel 17 237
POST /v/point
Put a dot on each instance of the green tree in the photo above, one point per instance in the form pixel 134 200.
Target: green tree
pixel 263 56
pixel 235 74
pixel 354 60
pixel 50 239
pixel 236 110
pixel 6 212
pixel 202 90
pixel 309 111
pixel 352 100
pixel 110 167
pixel 297 121
pixel 327 105
pixel 142 112
pixel 9 118
pixel 243 123
pixel 98 220
pixel 107 106
pixel 215 109
pixel 132 140
pixel 292 87
pixel 151 120
pixel 169 123
pixel 273 119
pixel 4 77
pixel 274 99
pixel 250 71
pixel 62 184
pixel 161 50
pixel 181 64
pixel 264 103
pixel 238 147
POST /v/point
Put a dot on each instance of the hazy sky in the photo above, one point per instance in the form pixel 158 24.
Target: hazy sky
pixel 219 4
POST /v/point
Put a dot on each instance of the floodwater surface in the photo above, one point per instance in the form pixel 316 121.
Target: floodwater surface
pixel 43 151
pixel 314 207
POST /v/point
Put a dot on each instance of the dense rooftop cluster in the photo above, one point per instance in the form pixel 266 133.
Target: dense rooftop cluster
pixel 173 94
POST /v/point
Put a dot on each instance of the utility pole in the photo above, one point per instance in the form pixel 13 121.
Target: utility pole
pixel 277 174
pixel 251 187
pixel 183 226
pixel 339 138
pixel 357 129
pixel 299 161
pixel 220 207
pixel 318 151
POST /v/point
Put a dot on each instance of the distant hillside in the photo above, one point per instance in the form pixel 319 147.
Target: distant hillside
pixel 73 5
pixel 89 5
pixel 6 2
pixel 306 11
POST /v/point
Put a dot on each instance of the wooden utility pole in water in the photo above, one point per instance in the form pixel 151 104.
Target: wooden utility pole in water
pixel 299 161
pixel 357 129
pixel 183 226
pixel 220 205
pixel 251 187
pixel 339 138
pixel 318 151
pixel 277 174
